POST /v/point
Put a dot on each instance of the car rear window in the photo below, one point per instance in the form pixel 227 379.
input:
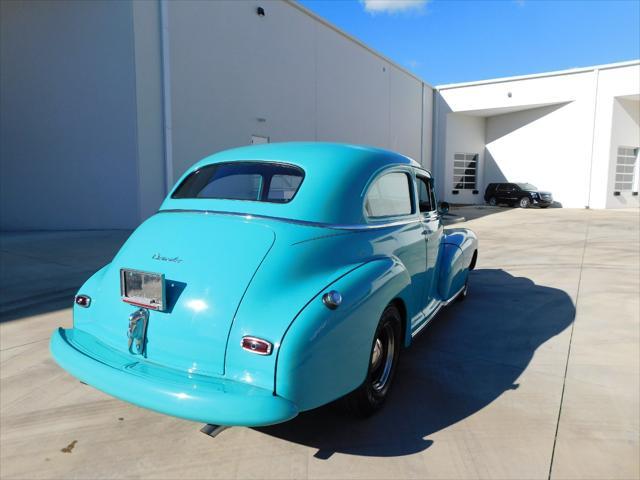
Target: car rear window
pixel 253 181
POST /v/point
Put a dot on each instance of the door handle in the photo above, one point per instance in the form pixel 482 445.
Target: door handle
pixel 425 232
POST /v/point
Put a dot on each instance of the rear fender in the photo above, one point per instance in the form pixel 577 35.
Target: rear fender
pixel 456 254
pixel 325 353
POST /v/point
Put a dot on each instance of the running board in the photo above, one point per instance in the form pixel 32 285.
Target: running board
pixel 435 311
pixel 213 430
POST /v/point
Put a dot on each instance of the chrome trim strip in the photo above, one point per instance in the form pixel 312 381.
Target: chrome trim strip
pixel 444 303
pixel 427 321
pixel 455 295
pixel 334 226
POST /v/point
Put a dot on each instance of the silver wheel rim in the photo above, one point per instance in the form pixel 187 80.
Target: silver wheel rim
pixel 382 358
pixel 524 202
pixel 492 202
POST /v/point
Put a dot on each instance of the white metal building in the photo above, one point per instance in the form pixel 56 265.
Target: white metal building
pixel 575 133
pixel 104 104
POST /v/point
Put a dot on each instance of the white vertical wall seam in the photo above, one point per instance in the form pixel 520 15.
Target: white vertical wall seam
pixel 315 78
pixel 166 94
pixel 596 73
pixel 387 70
pixel 435 138
pixel 422 126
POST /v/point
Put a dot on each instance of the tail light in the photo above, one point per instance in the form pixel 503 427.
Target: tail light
pixel 83 301
pixel 256 345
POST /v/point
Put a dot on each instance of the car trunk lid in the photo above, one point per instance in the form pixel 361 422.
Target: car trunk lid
pixel 208 262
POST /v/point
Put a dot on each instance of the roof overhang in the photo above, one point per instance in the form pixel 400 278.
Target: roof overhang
pixel 490 112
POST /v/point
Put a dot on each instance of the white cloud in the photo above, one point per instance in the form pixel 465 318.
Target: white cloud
pixel 393 6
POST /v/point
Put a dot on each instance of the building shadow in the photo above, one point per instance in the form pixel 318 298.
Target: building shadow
pixel 470 355
pixel 471 212
pixel 41 271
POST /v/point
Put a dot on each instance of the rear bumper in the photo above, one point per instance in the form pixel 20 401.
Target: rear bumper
pixel 190 396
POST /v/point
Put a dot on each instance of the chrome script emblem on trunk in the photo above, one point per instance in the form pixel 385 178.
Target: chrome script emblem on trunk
pixel 138 331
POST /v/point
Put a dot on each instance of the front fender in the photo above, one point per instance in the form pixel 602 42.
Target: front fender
pixel 456 254
pixel 325 353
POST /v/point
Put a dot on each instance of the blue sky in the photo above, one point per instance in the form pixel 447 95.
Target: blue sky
pixel 447 41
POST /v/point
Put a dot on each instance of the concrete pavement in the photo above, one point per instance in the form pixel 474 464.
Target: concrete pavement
pixel 536 374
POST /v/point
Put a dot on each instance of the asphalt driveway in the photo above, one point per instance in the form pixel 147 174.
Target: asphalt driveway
pixel 535 375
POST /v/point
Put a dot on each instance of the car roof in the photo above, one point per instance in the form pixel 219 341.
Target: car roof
pixel 332 191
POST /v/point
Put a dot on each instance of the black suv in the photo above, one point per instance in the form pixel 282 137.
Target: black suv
pixel 523 195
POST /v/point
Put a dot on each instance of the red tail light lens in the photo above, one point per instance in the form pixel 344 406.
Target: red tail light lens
pixel 256 345
pixel 83 300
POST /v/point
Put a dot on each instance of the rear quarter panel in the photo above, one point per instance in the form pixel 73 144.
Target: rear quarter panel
pixel 325 353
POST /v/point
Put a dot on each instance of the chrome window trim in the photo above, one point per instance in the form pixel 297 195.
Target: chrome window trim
pixel 193 171
pixel 334 226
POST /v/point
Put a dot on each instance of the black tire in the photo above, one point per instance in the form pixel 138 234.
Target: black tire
pixel 544 206
pixel 493 202
pixel 524 202
pixel 370 396
pixel 462 296
pixel 474 260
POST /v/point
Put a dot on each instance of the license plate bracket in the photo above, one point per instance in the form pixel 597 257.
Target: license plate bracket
pixel 143 289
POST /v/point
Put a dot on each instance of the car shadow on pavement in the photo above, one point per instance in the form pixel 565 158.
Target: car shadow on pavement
pixel 470 355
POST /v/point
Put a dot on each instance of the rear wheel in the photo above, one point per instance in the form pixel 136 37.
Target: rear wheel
pixel 524 202
pixel 370 396
pixel 493 202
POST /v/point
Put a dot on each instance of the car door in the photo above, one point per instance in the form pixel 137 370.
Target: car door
pixel 391 198
pixel 517 193
pixel 502 193
pixel 432 231
pixel 514 193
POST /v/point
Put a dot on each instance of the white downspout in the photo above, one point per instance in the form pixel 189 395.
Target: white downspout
pixel 166 95
pixel 636 173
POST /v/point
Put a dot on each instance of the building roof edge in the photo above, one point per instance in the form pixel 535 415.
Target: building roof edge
pixel 554 73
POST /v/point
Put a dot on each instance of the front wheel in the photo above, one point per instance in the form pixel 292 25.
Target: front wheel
pixel 524 202
pixel 493 202
pixel 370 396
pixel 463 294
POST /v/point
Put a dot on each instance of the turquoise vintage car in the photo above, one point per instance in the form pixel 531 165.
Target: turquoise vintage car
pixel 274 279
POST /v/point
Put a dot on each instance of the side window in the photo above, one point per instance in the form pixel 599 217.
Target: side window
pixel 389 195
pixel 434 201
pixel 426 197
